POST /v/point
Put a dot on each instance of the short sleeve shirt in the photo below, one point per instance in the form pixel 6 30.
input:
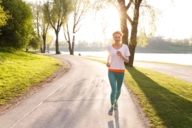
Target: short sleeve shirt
pixel 115 61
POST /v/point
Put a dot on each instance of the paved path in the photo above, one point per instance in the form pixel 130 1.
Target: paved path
pixel 79 99
pixel 179 71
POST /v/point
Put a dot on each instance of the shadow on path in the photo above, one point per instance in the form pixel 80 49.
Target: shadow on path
pixel 114 124
pixel 174 110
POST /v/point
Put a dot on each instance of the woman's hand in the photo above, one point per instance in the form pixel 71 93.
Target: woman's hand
pixel 121 55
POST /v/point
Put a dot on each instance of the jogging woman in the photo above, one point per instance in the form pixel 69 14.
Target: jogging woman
pixel 118 54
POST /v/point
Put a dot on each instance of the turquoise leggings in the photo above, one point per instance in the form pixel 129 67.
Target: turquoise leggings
pixel 116 80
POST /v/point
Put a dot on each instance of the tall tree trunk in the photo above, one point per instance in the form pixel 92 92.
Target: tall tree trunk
pixel 57 42
pixel 133 39
pixel 70 48
pixel 131 57
pixel 123 20
pixel 41 49
pixel 38 29
pixel 44 43
pixel 73 45
pixel 71 52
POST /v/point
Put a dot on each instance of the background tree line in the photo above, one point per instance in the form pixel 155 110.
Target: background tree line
pixel 23 25
pixel 153 45
pixel 56 15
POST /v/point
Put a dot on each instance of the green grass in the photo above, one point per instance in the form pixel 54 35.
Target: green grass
pixel 166 101
pixel 19 71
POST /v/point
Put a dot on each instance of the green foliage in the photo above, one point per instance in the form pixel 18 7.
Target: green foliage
pixel 3 17
pixel 34 43
pixel 49 39
pixel 142 39
pixel 20 71
pixel 17 32
pixel 160 45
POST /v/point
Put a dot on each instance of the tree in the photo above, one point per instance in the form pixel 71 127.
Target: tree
pixel 18 30
pixel 36 9
pixel 80 8
pixel 44 29
pixel 130 13
pixel 41 24
pixel 123 8
pixel 56 15
pixel 124 16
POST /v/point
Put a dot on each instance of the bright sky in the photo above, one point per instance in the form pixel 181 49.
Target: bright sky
pixel 173 21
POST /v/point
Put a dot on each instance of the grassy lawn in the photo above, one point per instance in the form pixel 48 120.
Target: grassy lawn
pixel 20 70
pixel 166 101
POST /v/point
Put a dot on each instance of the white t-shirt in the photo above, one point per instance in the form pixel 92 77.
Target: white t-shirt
pixel 115 61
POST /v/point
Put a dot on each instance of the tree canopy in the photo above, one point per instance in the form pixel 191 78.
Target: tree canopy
pixel 18 30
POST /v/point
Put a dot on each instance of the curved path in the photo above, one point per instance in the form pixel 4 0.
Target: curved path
pixel 79 99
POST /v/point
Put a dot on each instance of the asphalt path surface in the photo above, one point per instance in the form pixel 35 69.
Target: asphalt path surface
pixel 78 99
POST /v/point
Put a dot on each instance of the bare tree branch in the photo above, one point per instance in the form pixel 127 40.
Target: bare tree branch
pixel 129 4
pixel 80 8
pixel 129 19
pixel 68 33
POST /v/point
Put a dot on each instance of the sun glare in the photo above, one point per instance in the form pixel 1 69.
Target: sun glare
pixel 100 26
pixel 172 22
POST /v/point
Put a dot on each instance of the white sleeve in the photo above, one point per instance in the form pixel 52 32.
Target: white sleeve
pixel 109 55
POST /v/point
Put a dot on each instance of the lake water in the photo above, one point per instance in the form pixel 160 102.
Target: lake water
pixel 183 59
